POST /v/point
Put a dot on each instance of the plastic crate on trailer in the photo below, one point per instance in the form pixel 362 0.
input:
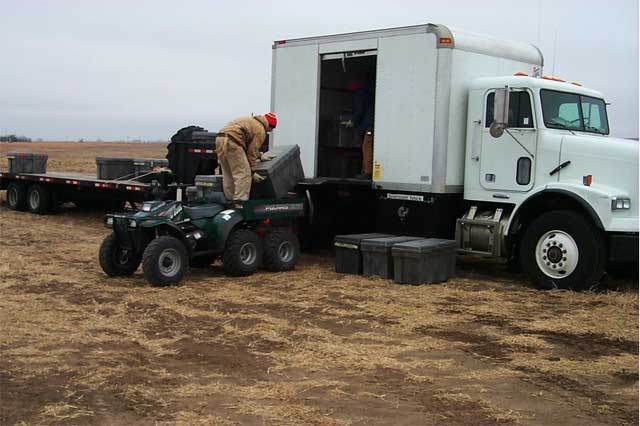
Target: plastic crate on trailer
pixel 26 162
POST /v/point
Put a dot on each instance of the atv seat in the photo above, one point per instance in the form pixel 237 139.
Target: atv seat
pixel 203 211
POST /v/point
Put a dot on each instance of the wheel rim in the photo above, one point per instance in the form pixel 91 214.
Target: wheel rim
pixel 557 254
pixel 248 254
pixel 12 197
pixel 169 262
pixel 285 251
pixel 34 199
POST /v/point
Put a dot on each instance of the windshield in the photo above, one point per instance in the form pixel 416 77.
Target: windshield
pixel 563 110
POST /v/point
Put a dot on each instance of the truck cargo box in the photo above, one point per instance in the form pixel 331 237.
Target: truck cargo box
pixel 418 78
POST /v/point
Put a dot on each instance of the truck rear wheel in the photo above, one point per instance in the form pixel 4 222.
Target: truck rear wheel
pixel 560 249
pixel 16 196
pixel 242 253
pixel 281 250
pixel 165 261
pixel 116 260
pixel 39 199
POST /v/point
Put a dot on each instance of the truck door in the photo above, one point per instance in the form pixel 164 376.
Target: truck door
pixel 294 97
pixel 507 163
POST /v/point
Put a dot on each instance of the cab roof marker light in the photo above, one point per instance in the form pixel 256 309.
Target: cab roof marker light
pixel 575 83
pixel 521 74
pixel 445 40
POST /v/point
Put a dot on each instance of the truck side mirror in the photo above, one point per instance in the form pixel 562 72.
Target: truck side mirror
pixel 500 112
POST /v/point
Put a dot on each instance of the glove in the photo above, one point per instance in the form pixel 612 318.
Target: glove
pixel 256 178
pixel 348 123
pixel 266 156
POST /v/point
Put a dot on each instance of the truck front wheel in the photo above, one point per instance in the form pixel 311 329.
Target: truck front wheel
pixel 561 249
pixel 165 261
pixel 116 260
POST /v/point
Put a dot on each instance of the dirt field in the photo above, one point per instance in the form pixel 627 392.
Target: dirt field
pixel 308 347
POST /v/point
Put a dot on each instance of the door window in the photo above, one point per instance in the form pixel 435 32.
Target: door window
pixel 520 115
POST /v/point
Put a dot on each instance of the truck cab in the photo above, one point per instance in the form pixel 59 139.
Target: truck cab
pixel 557 176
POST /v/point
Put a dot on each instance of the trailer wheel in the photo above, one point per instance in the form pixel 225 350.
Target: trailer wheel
pixel 165 261
pixel 242 253
pixel 281 250
pixel 116 260
pixel 39 199
pixel 560 249
pixel 16 196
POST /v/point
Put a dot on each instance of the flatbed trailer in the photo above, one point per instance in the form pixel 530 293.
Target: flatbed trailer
pixel 41 192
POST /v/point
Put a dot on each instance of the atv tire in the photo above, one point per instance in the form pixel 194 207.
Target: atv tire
pixel 242 253
pixel 115 260
pixel 16 196
pixel 165 261
pixel 281 250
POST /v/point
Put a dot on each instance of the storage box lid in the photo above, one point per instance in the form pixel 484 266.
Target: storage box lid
pixel 208 180
pixel 114 160
pixel 385 244
pixel 424 246
pixel 355 239
pixel 283 153
pixel 26 155
pixel 149 161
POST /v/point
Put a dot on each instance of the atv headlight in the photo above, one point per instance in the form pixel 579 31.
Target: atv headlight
pixel 620 203
pixel 109 221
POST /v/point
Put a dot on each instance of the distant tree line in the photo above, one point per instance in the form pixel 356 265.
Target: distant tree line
pixel 14 138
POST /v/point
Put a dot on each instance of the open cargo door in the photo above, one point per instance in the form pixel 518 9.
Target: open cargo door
pixel 404 112
pixel 294 97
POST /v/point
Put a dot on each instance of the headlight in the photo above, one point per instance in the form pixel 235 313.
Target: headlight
pixel 132 223
pixel 620 203
pixel 109 221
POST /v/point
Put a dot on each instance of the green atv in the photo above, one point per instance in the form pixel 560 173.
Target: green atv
pixel 169 236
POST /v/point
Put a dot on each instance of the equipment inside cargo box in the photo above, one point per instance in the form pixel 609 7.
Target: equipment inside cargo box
pixel 346 79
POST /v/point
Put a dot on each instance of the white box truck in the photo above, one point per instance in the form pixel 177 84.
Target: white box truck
pixel 470 140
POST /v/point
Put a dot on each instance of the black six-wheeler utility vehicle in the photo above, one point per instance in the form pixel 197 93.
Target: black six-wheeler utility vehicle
pixel 169 236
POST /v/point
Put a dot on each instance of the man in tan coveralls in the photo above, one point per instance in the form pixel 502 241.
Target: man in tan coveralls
pixel 238 146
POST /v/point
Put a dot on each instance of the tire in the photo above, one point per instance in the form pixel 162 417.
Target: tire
pixel 561 249
pixel 281 250
pixel 202 261
pixel 115 260
pixel 165 261
pixel 242 253
pixel 39 200
pixel 16 196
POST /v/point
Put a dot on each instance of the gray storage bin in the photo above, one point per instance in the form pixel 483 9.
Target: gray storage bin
pixel 110 168
pixel 425 261
pixel 146 165
pixel 348 254
pixel 376 255
pixel 283 173
pixel 207 185
pixel 26 162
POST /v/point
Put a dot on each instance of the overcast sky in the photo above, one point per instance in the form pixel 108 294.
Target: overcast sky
pixel 141 69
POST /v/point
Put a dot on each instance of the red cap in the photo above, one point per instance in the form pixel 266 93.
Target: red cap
pixel 272 119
